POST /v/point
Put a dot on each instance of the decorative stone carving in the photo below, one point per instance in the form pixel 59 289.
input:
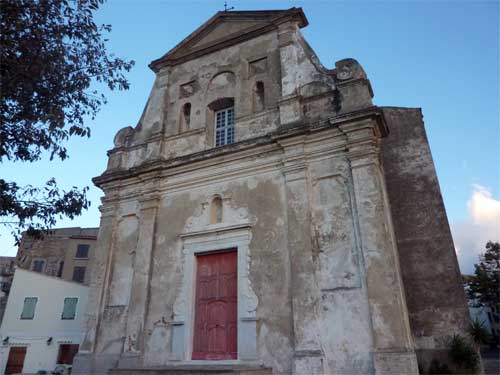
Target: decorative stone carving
pixel 258 66
pixel 349 69
pixel 122 136
pixel 188 89
pixel 222 79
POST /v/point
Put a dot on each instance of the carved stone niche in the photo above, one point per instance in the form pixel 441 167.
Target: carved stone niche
pixel 215 238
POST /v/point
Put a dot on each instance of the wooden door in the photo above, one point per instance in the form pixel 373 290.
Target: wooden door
pixel 67 353
pixel 15 362
pixel 216 309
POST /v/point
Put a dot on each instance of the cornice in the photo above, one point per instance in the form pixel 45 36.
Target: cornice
pixel 243 149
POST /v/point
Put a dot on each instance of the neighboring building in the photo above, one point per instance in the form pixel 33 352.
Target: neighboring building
pixel 488 316
pixel 265 215
pixel 42 326
pixel 64 253
pixel 7 267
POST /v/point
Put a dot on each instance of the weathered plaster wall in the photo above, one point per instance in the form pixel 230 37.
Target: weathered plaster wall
pixel 296 88
pixel 232 73
pixel 309 272
pixel 254 199
pixel 435 297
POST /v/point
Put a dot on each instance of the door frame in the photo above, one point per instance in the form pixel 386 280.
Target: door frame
pixel 196 269
pixel 216 239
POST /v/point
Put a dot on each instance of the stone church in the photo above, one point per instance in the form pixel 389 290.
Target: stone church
pixel 265 217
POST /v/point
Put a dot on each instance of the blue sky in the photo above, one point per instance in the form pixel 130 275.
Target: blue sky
pixel 442 56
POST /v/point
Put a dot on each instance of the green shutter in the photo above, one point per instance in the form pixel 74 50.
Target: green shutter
pixel 29 308
pixel 69 309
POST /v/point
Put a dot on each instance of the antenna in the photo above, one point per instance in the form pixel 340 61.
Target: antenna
pixel 226 8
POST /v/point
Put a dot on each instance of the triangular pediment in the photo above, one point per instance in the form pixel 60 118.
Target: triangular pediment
pixel 225 29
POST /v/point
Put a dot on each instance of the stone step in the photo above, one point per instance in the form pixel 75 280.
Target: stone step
pixel 196 369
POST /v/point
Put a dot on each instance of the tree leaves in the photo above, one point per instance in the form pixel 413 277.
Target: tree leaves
pixel 52 51
pixel 37 209
pixel 484 285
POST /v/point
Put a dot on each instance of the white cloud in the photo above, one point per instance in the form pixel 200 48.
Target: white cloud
pixel 482 224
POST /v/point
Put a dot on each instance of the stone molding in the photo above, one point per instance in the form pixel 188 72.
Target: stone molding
pixel 253 146
pixel 212 238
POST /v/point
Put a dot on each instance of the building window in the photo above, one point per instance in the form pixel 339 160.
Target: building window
pixel 67 353
pixel 224 127
pixel 79 274
pixel 69 308
pixel 38 265
pixel 29 308
pixel 82 251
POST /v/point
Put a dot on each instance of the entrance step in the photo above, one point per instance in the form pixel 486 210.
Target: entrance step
pixel 197 369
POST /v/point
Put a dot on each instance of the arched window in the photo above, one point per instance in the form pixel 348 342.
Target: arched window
pixel 216 210
pixel 185 116
pixel 258 97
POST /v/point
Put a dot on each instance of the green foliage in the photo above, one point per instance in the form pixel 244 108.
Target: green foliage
pixel 484 285
pixel 52 51
pixel 437 367
pixel 37 209
pixel 463 353
pixel 478 332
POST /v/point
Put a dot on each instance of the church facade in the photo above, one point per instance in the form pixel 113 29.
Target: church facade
pixel 265 217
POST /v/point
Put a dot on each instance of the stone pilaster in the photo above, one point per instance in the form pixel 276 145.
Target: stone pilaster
pixel 304 289
pixel 137 309
pixel 393 351
pixel 84 362
pixel 289 104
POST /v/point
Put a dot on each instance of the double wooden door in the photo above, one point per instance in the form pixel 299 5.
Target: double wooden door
pixel 15 362
pixel 215 331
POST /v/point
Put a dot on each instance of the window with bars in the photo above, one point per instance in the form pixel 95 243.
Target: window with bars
pixel 224 127
pixel 69 308
pixel 29 308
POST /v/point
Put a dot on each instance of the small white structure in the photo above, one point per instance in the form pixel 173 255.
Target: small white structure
pixel 42 325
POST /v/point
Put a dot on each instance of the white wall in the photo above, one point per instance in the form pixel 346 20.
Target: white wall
pixel 47 322
pixel 481 314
